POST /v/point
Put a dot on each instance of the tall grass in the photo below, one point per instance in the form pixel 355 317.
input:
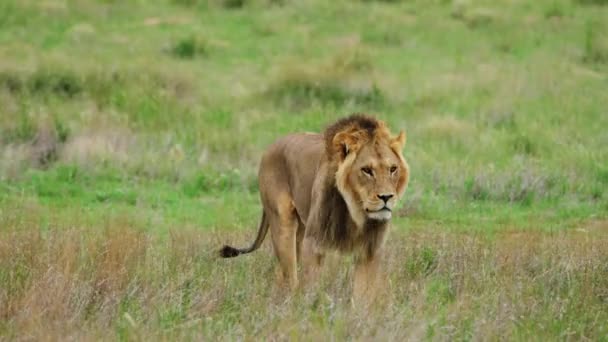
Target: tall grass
pixel 122 282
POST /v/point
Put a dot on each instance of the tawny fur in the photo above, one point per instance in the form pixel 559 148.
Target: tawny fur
pixel 324 191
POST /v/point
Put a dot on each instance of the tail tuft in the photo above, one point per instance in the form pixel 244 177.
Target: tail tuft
pixel 229 252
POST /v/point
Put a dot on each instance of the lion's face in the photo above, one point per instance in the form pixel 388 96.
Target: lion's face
pixel 372 177
pixel 375 178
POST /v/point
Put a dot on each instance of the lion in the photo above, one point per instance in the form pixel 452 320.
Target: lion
pixel 330 191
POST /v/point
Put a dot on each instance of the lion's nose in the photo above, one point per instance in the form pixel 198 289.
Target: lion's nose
pixel 385 197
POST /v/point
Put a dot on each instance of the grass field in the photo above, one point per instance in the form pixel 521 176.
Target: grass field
pixel 130 133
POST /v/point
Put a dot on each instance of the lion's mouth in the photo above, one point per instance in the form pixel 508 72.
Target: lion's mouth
pixel 383 209
pixel 383 214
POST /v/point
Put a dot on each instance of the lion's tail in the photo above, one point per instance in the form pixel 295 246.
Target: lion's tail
pixel 230 252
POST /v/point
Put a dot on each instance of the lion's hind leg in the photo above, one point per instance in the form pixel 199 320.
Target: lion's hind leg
pixel 284 227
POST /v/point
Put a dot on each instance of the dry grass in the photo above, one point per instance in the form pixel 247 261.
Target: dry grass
pixel 523 184
pixel 99 146
pixel 119 281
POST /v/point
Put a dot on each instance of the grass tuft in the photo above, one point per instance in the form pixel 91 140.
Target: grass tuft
pixel 233 3
pixel 556 9
pixel 522 186
pixel 347 79
pixel 190 47
pixel 595 43
pixel 212 181
pixel 56 82
pixel 422 262
pixel 44 82
pixel 474 17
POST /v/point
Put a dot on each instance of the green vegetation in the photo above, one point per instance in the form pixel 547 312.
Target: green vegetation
pixel 130 133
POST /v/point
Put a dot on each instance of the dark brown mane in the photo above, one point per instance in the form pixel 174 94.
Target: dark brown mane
pixel 355 121
pixel 334 218
pixel 333 224
pixel 335 228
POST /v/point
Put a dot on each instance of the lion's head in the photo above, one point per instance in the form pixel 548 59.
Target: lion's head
pixel 370 171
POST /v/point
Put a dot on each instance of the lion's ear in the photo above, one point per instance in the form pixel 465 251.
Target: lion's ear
pixel 345 143
pixel 398 142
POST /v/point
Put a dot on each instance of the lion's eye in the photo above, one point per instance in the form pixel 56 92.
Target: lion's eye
pixel 368 171
pixel 393 169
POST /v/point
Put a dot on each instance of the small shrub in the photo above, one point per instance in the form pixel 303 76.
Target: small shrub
pixel 189 48
pixel 347 78
pixel 602 174
pixel 473 17
pixel 557 9
pixel 523 144
pixel 56 82
pixel 480 17
pixel 11 82
pixel 199 185
pixel 595 50
pixel 597 191
pixel 43 81
pixel 233 3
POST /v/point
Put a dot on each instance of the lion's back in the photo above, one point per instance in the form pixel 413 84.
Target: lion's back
pixel 290 165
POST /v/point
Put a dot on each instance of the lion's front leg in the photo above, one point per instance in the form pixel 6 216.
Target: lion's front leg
pixel 312 261
pixel 367 269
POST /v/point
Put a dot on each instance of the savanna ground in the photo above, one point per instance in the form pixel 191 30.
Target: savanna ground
pixel 130 132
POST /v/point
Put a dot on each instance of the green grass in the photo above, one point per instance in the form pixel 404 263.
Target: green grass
pixel 148 119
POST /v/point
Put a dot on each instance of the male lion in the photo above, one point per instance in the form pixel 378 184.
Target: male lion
pixel 334 190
